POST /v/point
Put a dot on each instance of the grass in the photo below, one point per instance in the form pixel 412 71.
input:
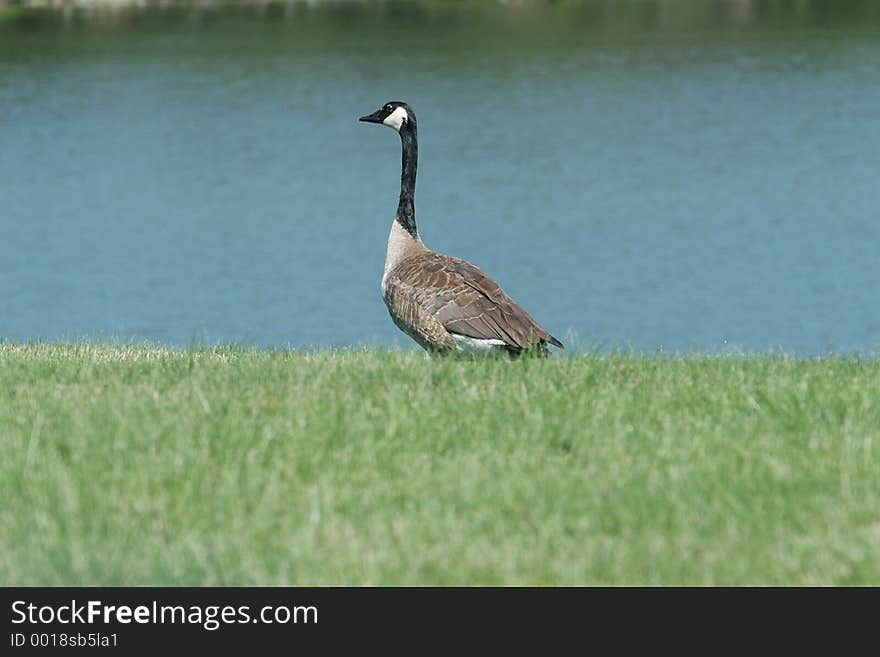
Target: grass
pixel 147 466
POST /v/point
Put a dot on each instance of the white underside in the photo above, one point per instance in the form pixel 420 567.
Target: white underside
pixel 470 345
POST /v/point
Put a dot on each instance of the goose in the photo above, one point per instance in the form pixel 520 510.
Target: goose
pixel 443 303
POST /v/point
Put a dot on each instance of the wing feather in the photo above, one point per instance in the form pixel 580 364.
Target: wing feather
pixel 465 301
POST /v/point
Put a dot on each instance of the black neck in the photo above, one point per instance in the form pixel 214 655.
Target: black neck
pixel 406 208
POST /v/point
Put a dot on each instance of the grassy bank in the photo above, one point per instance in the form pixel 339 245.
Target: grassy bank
pixel 147 466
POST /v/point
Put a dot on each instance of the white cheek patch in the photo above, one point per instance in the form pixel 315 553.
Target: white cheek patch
pixel 396 118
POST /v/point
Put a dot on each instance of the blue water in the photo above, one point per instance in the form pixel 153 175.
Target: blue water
pixel 707 187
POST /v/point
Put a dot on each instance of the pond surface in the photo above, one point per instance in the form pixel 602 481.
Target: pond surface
pixel 677 176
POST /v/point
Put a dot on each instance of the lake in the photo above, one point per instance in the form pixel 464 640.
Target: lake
pixel 682 176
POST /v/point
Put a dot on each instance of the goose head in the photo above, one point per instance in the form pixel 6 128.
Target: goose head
pixel 395 114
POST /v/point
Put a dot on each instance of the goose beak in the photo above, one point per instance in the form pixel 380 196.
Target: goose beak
pixel 372 118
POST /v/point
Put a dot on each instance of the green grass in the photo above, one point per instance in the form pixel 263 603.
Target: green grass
pixel 145 466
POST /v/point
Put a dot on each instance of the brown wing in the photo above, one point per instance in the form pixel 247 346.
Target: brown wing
pixel 465 301
pixel 411 318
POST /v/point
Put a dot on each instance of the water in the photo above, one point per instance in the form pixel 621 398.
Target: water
pixel 681 176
